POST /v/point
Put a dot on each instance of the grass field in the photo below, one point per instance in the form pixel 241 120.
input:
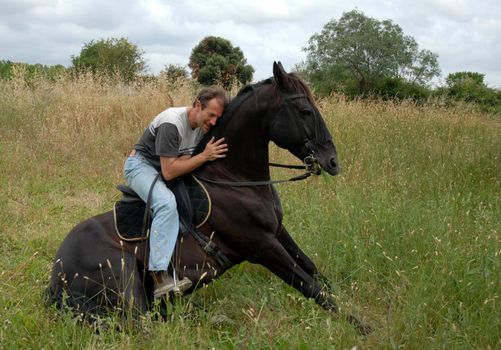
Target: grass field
pixel 408 233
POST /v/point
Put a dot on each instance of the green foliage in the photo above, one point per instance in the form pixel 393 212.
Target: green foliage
pixel 470 87
pixel 215 61
pixel 30 72
pixel 473 78
pixel 358 53
pixel 400 89
pixel 110 57
pixel 172 73
pixel 6 69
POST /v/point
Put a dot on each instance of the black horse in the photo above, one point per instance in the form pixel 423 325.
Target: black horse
pixel 94 269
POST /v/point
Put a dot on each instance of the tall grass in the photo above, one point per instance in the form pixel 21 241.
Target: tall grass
pixel 408 233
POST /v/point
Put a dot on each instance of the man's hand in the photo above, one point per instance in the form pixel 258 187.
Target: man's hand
pixel 173 167
pixel 215 149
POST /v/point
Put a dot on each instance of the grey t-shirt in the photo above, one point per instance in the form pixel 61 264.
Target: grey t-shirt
pixel 168 135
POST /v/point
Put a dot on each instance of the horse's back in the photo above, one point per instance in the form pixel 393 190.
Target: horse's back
pixel 89 262
pixel 83 240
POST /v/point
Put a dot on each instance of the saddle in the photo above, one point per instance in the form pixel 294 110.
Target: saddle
pixel 133 219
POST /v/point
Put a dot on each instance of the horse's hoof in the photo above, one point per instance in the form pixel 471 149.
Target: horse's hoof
pixel 364 329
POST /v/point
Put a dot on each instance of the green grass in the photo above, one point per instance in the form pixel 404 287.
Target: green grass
pixel 408 233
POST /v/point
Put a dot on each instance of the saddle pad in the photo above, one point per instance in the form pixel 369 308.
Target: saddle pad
pixel 201 204
pixel 129 216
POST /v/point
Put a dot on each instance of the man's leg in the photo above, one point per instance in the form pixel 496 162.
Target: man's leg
pixel 165 220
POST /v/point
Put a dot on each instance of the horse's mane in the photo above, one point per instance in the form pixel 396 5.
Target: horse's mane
pixel 229 111
pixel 293 84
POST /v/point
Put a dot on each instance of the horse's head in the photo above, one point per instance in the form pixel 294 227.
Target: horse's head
pixel 298 126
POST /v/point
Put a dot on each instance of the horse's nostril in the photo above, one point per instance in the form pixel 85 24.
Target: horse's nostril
pixel 332 162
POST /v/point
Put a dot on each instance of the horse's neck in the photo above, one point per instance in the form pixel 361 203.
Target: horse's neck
pixel 247 140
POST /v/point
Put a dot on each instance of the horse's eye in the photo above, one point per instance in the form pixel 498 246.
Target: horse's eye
pixel 305 113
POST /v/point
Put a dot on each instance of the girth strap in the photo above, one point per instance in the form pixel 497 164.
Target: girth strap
pixel 211 248
pixel 147 211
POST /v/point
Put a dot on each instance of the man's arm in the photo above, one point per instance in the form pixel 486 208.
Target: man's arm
pixel 173 167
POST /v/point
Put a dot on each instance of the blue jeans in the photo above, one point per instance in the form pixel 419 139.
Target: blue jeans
pixel 139 174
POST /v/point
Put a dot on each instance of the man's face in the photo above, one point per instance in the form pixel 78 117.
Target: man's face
pixel 207 118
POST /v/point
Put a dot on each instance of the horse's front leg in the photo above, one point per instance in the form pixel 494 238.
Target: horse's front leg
pixel 277 259
pixel 301 258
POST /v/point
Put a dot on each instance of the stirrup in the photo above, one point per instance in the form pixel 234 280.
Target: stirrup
pixel 165 284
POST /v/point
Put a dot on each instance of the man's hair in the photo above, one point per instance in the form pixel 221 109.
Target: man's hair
pixel 208 93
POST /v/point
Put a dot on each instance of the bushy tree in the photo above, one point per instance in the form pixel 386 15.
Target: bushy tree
pixel 215 61
pixel 470 87
pixel 173 73
pixel 465 83
pixel 357 53
pixel 111 57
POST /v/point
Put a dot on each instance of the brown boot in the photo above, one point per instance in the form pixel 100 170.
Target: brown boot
pixel 164 284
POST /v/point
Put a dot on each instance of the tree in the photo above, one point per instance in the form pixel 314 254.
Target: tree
pixel 459 78
pixel 467 86
pixel 110 57
pixel 215 60
pixel 470 87
pixel 357 52
pixel 173 73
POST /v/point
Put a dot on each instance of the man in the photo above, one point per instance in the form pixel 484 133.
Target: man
pixel 166 147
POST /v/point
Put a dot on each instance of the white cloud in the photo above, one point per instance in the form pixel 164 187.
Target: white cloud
pixel 464 33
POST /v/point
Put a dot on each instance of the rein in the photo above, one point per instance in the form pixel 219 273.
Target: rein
pixel 310 164
pixel 286 166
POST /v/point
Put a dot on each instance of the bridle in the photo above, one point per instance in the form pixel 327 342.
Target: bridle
pixel 310 163
pixel 307 141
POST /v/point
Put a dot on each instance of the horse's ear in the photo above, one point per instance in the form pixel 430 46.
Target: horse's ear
pixel 279 74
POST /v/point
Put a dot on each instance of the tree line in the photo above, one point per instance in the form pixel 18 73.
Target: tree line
pixel 355 55
pixel 361 56
pixel 213 61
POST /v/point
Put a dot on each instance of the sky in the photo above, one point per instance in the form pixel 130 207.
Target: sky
pixel 466 34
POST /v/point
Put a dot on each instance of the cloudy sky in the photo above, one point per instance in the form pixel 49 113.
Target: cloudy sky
pixel 466 34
